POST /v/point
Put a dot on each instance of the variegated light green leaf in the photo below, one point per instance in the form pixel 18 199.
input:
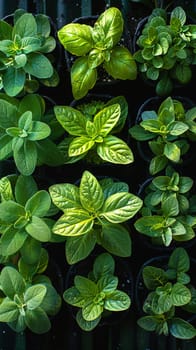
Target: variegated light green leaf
pixel 92 311
pixel 71 119
pixel 91 194
pixel 65 196
pixel 73 297
pixel 117 301
pixel 86 325
pixel 74 222
pixel 115 150
pixel 180 294
pixel 80 145
pixel 120 207
pixel 106 119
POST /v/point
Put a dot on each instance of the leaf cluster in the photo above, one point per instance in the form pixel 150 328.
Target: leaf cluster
pixel 96 293
pixel 169 132
pixel 24 53
pixel 24 222
pixel 24 133
pixel 94 212
pixel 166 50
pixel 94 47
pixel 91 132
pixel 169 290
pixel 169 212
pixel 27 304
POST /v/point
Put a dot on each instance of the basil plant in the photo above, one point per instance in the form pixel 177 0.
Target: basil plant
pixel 96 293
pixel 94 212
pixel 97 46
pixel 25 46
pixel 170 291
pixel 169 209
pixel 169 131
pixel 91 137
pixel 24 134
pixel 166 49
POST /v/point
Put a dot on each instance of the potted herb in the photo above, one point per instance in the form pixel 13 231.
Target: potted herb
pixel 168 212
pixel 96 46
pixel 169 130
pixel 27 303
pixel 24 53
pixel 170 295
pixel 95 212
pixel 91 128
pixel 97 293
pixel 24 134
pixel 165 51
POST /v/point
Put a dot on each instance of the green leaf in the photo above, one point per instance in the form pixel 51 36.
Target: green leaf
pixel 182 329
pixel 86 325
pixel 51 303
pixel 76 38
pixel 86 287
pixel 180 294
pixel 11 282
pixel 37 321
pixel 25 26
pixel 149 323
pixel 33 246
pixel 73 297
pixel 117 301
pixel 34 296
pixel 78 248
pixel 48 153
pixel 39 66
pixel 115 150
pixel 38 131
pixel 8 310
pixel 153 277
pixel 74 222
pixel 5 147
pixel 13 81
pixel 83 78
pixel 179 260
pixel 38 229
pixel 11 211
pixel 8 114
pixel 91 311
pixel 12 241
pixel 157 164
pixel 172 152
pixel 91 194
pixel 25 188
pixel 6 189
pixel 71 119
pixel 37 106
pixel 112 23
pixel 121 64
pixel 120 207
pixel 104 265
pixel 25 156
pixel 151 226
pixel 39 203
pixel 116 239
pixel 105 120
pixel 80 145
pixel 107 284
pixel 65 196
